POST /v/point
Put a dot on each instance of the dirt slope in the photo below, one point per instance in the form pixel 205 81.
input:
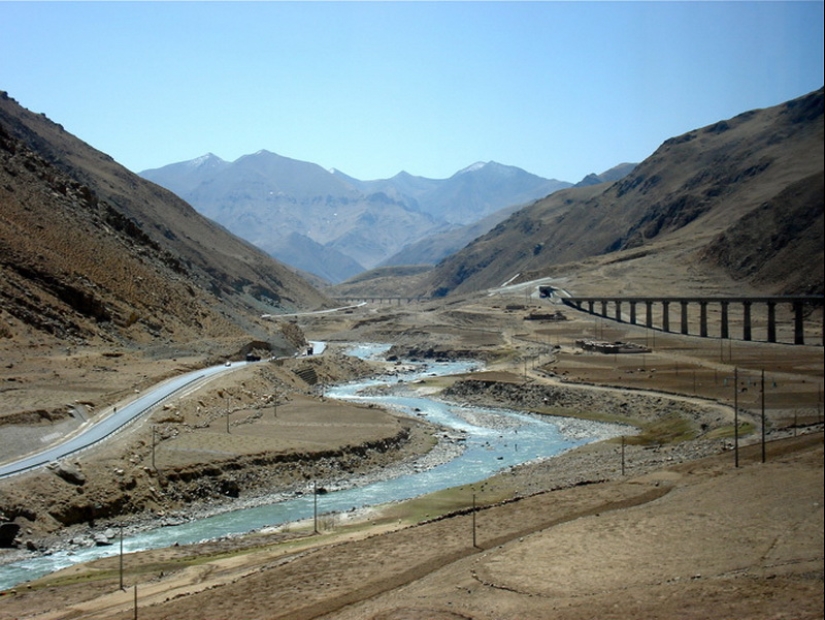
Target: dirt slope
pixel 90 250
pixel 692 192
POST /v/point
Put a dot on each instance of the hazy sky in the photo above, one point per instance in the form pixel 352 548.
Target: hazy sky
pixel 560 89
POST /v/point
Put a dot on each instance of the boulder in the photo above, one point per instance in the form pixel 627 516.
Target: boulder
pixel 71 474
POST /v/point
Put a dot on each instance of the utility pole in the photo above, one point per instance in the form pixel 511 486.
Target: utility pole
pixel 763 415
pixel 121 556
pixel 474 521
pixel 622 455
pixel 315 506
pixel 736 416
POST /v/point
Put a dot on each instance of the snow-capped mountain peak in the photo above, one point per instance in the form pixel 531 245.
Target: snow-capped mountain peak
pixel 204 159
pixel 474 167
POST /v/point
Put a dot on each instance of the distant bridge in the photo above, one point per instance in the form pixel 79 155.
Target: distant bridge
pixel 599 306
pixel 380 300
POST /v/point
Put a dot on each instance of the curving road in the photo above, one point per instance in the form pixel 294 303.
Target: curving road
pixel 112 423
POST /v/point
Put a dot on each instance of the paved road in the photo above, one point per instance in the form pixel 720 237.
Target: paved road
pixel 339 309
pixel 112 423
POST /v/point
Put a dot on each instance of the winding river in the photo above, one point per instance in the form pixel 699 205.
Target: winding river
pixel 480 442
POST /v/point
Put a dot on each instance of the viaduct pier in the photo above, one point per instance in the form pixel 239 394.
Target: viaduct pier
pixel 626 309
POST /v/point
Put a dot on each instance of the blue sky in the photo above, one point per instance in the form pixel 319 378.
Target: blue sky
pixel 560 89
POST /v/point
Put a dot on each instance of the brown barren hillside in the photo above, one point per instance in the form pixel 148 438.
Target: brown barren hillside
pixel 89 250
pixel 740 201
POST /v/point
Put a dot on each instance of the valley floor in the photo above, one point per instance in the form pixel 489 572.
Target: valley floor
pixel 680 533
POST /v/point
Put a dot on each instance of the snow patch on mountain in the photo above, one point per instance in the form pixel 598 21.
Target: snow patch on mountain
pixel 474 167
pixel 203 160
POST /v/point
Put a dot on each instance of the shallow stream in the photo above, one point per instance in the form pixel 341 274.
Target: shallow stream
pixel 477 443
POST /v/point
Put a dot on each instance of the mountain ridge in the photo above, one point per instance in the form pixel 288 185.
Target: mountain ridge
pixel 266 198
pixel 683 206
pixel 89 250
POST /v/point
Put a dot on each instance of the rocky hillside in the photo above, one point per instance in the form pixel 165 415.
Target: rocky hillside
pixel 90 251
pixel 742 198
pixel 387 282
pixel 616 173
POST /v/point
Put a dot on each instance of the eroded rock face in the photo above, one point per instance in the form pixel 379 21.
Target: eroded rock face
pixel 243 475
pixel 629 406
pixel 8 532
pixel 438 353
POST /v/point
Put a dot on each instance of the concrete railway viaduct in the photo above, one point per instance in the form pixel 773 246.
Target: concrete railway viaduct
pixel 626 309
pixel 733 312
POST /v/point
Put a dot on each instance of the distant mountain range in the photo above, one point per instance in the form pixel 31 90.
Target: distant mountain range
pixel 434 248
pixel 335 226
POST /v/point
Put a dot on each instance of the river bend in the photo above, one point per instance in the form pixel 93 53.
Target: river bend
pixel 477 443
